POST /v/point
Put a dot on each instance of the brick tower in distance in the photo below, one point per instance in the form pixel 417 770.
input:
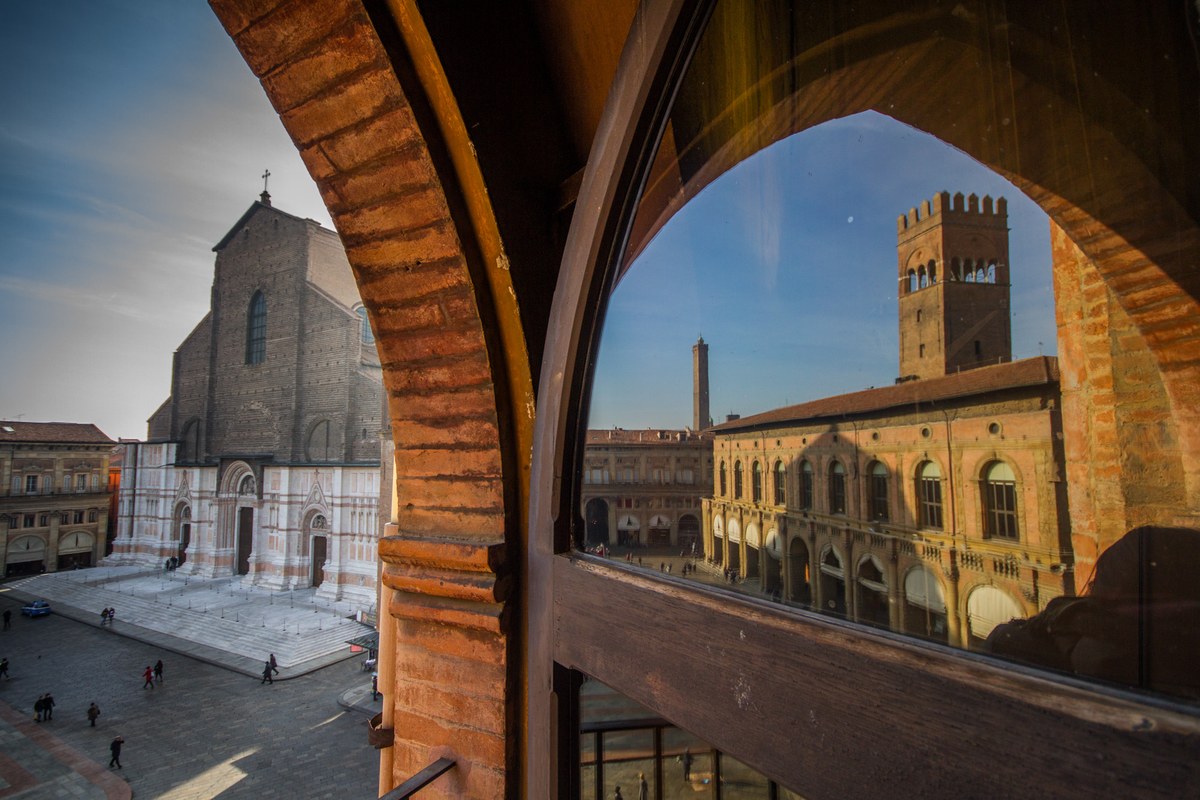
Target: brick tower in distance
pixel 700 415
pixel 953 286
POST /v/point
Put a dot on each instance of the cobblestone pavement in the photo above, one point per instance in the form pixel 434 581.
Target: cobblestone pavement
pixel 204 732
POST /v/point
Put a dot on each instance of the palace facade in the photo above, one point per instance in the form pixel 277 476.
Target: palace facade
pixel 936 506
pixel 54 496
pixel 264 460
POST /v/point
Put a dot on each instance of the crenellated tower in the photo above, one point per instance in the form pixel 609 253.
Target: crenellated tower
pixel 953 285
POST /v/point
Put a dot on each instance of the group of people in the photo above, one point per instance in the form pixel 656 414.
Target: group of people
pixel 107 616
pixel 43 708
pixel 171 564
pixel 152 675
pixel 270 669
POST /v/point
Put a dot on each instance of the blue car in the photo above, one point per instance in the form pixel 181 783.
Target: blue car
pixel 38 608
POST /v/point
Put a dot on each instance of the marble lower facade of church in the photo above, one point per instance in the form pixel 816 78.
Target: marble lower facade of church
pixel 285 527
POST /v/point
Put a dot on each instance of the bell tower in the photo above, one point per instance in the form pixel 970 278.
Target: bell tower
pixel 700 416
pixel 953 283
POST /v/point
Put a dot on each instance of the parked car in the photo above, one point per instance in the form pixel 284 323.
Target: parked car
pixel 38 608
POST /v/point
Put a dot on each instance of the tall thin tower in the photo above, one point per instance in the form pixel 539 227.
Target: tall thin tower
pixel 700 417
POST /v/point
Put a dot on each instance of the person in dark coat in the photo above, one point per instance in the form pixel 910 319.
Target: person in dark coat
pixel 7 618
pixel 148 677
pixel 115 748
pixel 266 673
pixel 39 707
pixel 4 668
pixel 93 712
pixel 48 706
pixel 274 664
pixel 158 670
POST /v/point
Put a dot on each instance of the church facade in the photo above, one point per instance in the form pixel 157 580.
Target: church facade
pixel 264 461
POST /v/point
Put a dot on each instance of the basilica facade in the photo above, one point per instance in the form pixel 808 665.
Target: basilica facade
pixel 264 461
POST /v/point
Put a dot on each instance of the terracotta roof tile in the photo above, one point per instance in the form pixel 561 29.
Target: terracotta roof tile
pixel 52 432
pixel 1027 372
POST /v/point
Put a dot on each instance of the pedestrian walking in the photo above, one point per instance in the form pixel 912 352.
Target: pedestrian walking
pixel 115 748
pixel 112 616
pixel 274 664
pixel 93 712
pixel 643 789
pixel 148 677
pixel 7 618
pixel 158 670
pixel 4 668
pixel 104 617
pixel 617 794
pixel 266 673
pixel 48 706
pixel 39 707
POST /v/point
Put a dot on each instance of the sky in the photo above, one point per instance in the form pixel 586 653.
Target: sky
pixel 787 266
pixel 132 138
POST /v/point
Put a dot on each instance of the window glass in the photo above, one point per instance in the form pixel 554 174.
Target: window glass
pixel 889 310
pixel 256 329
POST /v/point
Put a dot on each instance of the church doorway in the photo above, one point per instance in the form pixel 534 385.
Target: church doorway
pixel 245 539
pixel 183 532
pixel 320 550
pixel 185 539
pixel 689 534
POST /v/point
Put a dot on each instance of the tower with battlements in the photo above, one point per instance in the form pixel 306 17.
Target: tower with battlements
pixel 952 256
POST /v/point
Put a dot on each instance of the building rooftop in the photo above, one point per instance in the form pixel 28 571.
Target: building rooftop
pixel 655 436
pixel 52 432
pixel 1039 371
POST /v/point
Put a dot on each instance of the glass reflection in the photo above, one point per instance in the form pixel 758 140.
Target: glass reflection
pixel 901 444
pixel 626 753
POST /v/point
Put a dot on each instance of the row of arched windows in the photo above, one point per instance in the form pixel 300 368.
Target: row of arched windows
pixel 965 270
pixel 998 482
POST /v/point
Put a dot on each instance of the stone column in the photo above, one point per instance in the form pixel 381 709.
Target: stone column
pixel 52 544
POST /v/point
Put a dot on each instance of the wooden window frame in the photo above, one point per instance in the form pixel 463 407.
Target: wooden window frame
pixel 737 671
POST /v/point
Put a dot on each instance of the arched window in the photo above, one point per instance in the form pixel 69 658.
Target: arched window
pixel 929 495
pixel 189 448
pixel 806 485
pixel 780 483
pixel 912 280
pixel 991 272
pixel 320 445
pixel 256 329
pixel 932 273
pixel 737 480
pixel 879 492
pixel 364 331
pixel 968 271
pixel 837 488
pixel 1000 501
pixel 955 269
pixel 721 477
pixel 756 481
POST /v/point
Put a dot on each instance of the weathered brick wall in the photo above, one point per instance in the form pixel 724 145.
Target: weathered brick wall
pixel 189 392
pixel 332 82
pixel 251 406
pixel 1124 462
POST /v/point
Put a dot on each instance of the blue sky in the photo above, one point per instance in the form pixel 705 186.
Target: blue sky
pixel 787 266
pixel 132 138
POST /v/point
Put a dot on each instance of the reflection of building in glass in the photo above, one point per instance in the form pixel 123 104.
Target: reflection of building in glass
pixel 935 506
pixel 644 487
pixel 264 460
pixel 54 496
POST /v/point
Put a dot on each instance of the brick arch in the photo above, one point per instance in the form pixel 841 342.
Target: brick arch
pixel 1118 192
pixel 386 151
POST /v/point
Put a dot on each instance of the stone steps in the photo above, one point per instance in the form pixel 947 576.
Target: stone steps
pixel 218 613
